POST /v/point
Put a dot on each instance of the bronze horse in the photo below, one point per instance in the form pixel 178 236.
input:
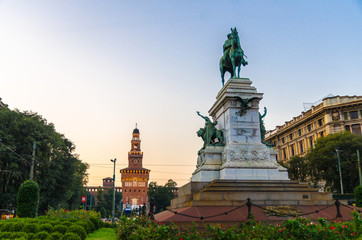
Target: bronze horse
pixel 233 56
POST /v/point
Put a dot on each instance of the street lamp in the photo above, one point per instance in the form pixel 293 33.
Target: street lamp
pixel 339 168
pixel 114 189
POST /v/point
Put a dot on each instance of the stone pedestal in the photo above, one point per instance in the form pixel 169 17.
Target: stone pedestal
pixel 208 164
pixel 244 156
pixel 245 167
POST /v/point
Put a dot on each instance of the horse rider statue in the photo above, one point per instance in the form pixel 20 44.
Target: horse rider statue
pixel 233 56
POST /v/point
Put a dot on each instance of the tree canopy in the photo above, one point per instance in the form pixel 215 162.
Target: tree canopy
pixel 162 195
pixel 58 171
pixel 321 164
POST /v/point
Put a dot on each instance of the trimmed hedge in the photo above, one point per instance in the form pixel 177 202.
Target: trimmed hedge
pixel 78 230
pixel 50 227
pixel 60 228
pixel 56 235
pixel 358 196
pixel 42 235
pixel 70 236
pixel 28 199
pixel 30 228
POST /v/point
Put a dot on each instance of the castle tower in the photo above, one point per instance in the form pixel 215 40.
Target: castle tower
pixel 135 177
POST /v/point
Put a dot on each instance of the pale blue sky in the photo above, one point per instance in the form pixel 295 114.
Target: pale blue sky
pixel 94 68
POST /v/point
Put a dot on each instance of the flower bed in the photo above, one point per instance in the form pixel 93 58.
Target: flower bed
pixel 298 228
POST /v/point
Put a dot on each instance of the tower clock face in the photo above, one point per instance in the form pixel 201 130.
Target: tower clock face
pixel 135 161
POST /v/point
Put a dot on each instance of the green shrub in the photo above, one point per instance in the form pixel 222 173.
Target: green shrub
pixel 30 236
pixel 17 235
pixel 96 222
pixel 78 230
pixel 106 225
pixel 60 228
pixel 56 235
pixel 45 227
pixel 55 222
pixel 4 235
pixel 358 196
pixel 85 226
pixel 30 228
pixel 67 223
pixel 28 199
pixel 70 236
pixel 91 225
pixel 41 235
pixel 16 226
pixel 5 226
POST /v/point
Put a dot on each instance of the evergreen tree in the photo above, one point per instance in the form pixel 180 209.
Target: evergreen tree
pixel 28 199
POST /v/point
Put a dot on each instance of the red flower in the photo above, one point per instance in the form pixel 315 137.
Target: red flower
pixel 280 230
pixel 332 228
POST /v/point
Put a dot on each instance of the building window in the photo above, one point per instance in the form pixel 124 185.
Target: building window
pixel 301 146
pixel 292 149
pixel 141 184
pixel 321 134
pixel 125 190
pixel 311 142
pixel 345 116
pixel 353 115
pixel 320 122
pixel 348 128
pixel 135 182
pixel 300 132
pixel 283 140
pixel 291 136
pixel 284 154
pixel 356 129
pixel 309 127
pixel 128 184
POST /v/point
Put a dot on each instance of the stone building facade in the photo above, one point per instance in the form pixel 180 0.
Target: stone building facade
pixel 107 184
pixel 334 114
pixel 135 177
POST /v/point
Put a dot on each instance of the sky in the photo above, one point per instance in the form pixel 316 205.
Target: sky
pixel 95 68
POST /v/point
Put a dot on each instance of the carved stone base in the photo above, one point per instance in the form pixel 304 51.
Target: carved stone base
pixel 208 164
pixel 252 174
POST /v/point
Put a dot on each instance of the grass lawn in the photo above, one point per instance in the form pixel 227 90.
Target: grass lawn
pixel 103 234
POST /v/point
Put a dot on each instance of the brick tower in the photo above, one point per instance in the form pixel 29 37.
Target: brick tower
pixel 135 177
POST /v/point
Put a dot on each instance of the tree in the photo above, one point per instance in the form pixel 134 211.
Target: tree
pixel 105 201
pixel 28 199
pixel 298 169
pixel 322 165
pixel 59 172
pixel 162 195
pixel 108 200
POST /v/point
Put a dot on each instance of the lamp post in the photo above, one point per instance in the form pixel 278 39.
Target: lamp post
pixel 114 189
pixel 340 170
pixel 359 168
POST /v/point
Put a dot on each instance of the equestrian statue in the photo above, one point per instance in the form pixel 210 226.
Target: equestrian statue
pixel 233 56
